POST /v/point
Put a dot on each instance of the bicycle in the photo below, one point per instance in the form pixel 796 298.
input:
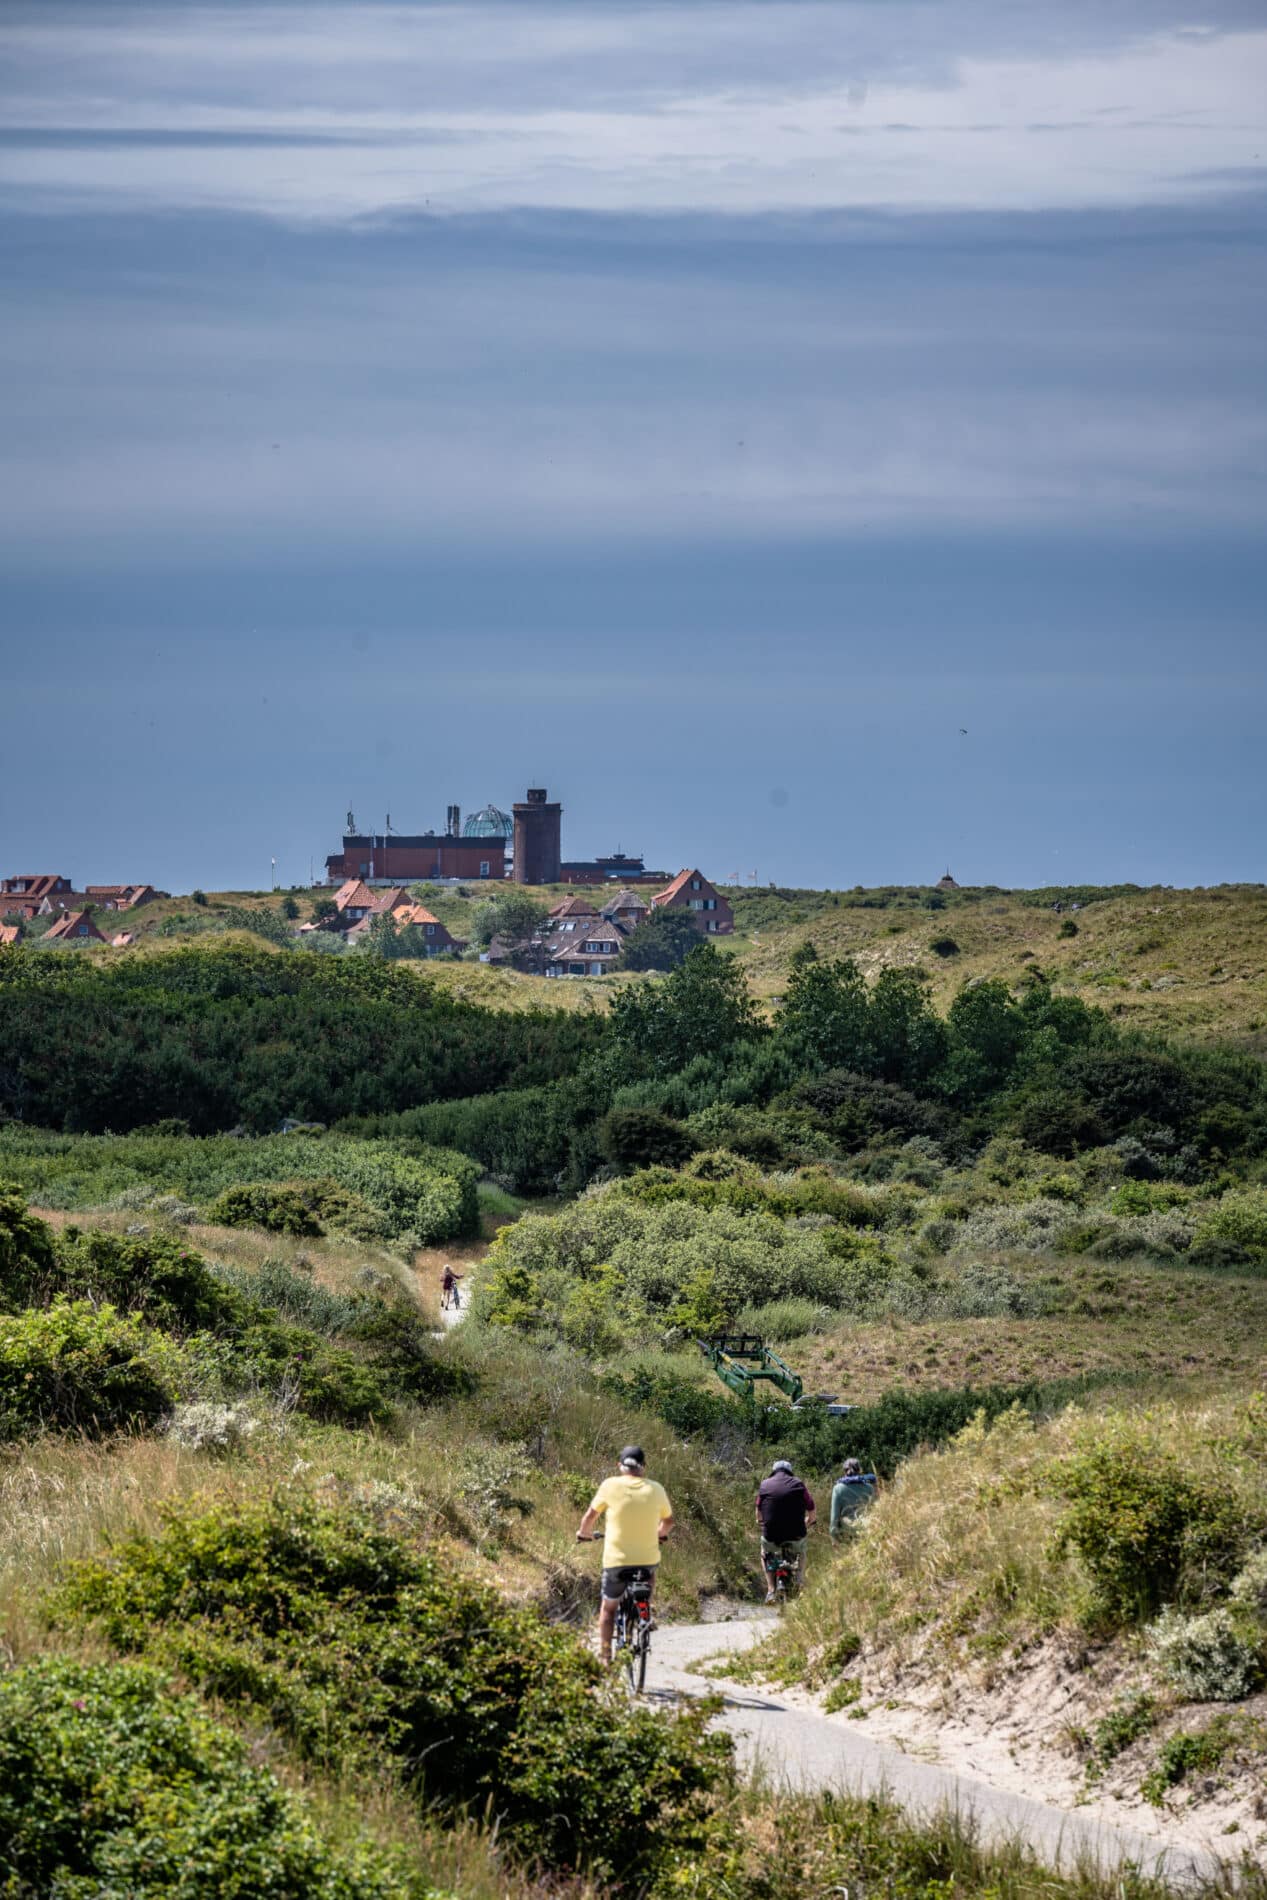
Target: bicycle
pixel 631 1637
pixel 783 1569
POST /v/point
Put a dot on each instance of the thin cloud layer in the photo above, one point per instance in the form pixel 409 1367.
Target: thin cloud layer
pixel 344 111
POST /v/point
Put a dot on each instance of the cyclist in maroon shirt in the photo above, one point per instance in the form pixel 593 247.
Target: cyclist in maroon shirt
pixel 785 1513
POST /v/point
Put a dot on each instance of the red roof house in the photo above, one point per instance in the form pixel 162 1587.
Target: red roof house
pixel 435 936
pixel 24 896
pixel 122 896
pixel 76 926
pixel 691 890
pixel 574 907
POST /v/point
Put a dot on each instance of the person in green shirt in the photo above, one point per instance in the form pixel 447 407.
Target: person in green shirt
pixel 639 1518
pixel 852 1492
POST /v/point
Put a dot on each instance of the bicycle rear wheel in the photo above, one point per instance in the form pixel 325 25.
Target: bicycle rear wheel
pixel 641 1650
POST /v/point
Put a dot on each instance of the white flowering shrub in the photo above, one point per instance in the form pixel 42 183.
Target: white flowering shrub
pixel 1206 1658
pixel 487 1478
pixel 1249 1589
pixel 171 1208
pixel 209 1427
pixel 1033 1225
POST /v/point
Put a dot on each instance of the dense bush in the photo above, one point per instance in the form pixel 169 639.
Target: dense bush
pixel 341 1358
pixel 277 1208
pixel 170 1285
pixel 649 1267
pixel 662 941
pixel 1233 1232
pixel 529 1138
pixel 881 1435
pixel 641 1137
pixel 410 1190
pixel 27 1251
pixel 355 1645
pixel 1145 1530
pixel 304 1208
pixel 111 1784
pixel 78 1367
pixel 857 1108
pixel 226 1035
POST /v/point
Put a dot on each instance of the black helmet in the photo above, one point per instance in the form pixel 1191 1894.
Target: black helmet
pixel 782 1464
pixel 633 1455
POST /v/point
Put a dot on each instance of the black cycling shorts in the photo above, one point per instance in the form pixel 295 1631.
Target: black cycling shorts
pixel 617 1581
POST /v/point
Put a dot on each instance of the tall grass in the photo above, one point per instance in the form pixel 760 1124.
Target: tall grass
pixel 959 1561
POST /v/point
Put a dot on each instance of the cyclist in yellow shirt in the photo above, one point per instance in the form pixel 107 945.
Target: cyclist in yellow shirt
pixel 639 1518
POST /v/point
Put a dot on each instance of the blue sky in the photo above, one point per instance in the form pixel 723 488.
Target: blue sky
pixel 705 411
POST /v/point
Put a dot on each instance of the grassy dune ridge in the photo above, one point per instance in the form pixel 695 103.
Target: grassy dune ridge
pixel 1192 962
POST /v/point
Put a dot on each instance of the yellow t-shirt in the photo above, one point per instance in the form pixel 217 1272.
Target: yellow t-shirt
pixel 636 1508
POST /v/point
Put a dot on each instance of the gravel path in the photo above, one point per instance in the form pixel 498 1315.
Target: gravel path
pixel 801 1749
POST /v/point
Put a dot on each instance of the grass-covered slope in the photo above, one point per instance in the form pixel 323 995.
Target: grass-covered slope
pixel 1190 963
pixel 1187 962
pixel 1105 1570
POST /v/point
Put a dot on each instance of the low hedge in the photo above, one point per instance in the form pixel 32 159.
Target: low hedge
pixel 73 1366
pixel 110 1784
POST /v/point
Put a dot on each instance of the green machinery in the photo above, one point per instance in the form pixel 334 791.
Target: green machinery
pixel 743 1360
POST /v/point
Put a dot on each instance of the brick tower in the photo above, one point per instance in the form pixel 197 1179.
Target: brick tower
pixel 538 839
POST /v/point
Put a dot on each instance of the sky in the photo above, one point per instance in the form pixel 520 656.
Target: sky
pixel 824 443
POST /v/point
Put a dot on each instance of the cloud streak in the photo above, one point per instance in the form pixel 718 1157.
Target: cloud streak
pixel 345 112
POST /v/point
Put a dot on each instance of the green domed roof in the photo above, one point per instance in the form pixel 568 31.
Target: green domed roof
pixel 489 823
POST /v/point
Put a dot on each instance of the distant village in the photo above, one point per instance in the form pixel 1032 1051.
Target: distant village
pixel 369 882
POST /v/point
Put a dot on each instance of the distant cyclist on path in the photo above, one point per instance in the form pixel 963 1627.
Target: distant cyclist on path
pixel 639 1518
pixel 785 1513
pixel 449 1288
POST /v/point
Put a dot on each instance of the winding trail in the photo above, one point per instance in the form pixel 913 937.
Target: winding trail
pixel 805 1750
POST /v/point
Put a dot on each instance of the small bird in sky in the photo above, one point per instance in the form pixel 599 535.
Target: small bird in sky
pixel 964 731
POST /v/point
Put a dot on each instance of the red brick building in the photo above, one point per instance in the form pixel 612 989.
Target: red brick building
pixel 24 896
pixel 691 890
pixel 617 868
pixel 538 838
pixel 392 857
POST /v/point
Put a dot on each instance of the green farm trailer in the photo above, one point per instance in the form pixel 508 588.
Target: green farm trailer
pixel 743 1361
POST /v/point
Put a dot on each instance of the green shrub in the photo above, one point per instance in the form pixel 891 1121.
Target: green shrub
pixel 111 1784
pixel 305 1208
pixel 324 1381
pixel 169 1284
pixel 1233 1232
pixel 1068 928
pixel 77 1367
pixel 1117 1731
pixel 396 1188
pixel 356 1645
pixel 28 1257
pixel 1202 1749
pixel 1059 1121
pixel 277 1208
pixel 641 1137
pixel 1138 1521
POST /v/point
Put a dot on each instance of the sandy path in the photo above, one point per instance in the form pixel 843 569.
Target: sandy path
pixel 800 1748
